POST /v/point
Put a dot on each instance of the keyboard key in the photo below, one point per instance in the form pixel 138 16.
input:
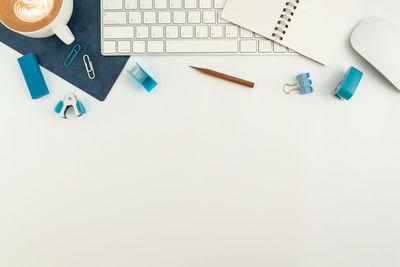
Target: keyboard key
pixel 190 4
pixel 131 4
pixel 201 31
pixel 187 32
pixel 219 3
pixel 112 4
pixel 172 32
pixel 146 4
pixel 194 17
pixel 221 20
pixel 205 3
pixel 161 4
pixel 124 46
pixel 179 17
pixel 149 17
pixel 175 4
pixel 157 32
pixel 114 17
pixel 209 17
pixel 265 46
pixel 231 31
pixel 245 33
pixel 279 48
pixel 142 32
pixel 135 17
pixel 155 46
pixel 201 46
pixel 164 17
pixel 109 47
pixel 118 32
pixel 216 31
pixel 138 46
pixel 248 46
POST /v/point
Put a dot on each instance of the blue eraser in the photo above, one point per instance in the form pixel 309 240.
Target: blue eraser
pixel 33 76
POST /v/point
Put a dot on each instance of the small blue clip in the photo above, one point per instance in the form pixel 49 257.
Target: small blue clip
pixel 304 84
pixel 345 89
pixel 72 55
pixel 142 77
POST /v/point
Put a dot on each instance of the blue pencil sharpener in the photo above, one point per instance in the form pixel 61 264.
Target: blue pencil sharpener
pixel 346 88
pixel 142 77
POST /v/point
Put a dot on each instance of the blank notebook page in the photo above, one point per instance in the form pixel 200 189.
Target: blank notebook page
pixel 260 16
pixel 315 30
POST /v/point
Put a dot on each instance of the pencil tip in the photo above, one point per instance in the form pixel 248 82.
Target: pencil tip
pixel 192 67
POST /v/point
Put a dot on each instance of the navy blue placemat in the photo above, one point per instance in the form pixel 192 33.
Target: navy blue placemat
pixel 51 52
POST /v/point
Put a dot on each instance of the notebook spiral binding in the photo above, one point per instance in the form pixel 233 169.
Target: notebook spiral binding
pixel 285 19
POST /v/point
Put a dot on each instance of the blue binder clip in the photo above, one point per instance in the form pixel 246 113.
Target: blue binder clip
pixel 70 101
pixel 142 77
pixel 304 84
pixel 346 88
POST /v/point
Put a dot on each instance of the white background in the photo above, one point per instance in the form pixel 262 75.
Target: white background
pixel 201 172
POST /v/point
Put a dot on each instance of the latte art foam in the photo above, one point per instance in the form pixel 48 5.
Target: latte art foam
pixel 29 15
pixel 33 10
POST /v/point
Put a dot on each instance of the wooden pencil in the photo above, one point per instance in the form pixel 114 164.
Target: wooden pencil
pixel 224 77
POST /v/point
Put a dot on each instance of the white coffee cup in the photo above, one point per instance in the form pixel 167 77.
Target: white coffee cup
pixel 58 26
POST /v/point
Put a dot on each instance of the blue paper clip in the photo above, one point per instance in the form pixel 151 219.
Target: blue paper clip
pixel 304 84
pixel 72 55
pixel 345 89
pixel 142 77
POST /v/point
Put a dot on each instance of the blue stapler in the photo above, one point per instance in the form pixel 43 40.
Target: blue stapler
pixel 346 88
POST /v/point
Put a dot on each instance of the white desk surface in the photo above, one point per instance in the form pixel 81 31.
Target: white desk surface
pixel 201 172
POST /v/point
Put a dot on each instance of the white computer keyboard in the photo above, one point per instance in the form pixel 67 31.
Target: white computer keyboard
pixel 176 27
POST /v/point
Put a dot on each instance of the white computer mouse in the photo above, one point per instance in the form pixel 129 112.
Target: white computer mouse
pixel 378 41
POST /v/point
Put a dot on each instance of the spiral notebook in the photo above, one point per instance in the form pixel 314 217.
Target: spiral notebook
pixel 312 28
